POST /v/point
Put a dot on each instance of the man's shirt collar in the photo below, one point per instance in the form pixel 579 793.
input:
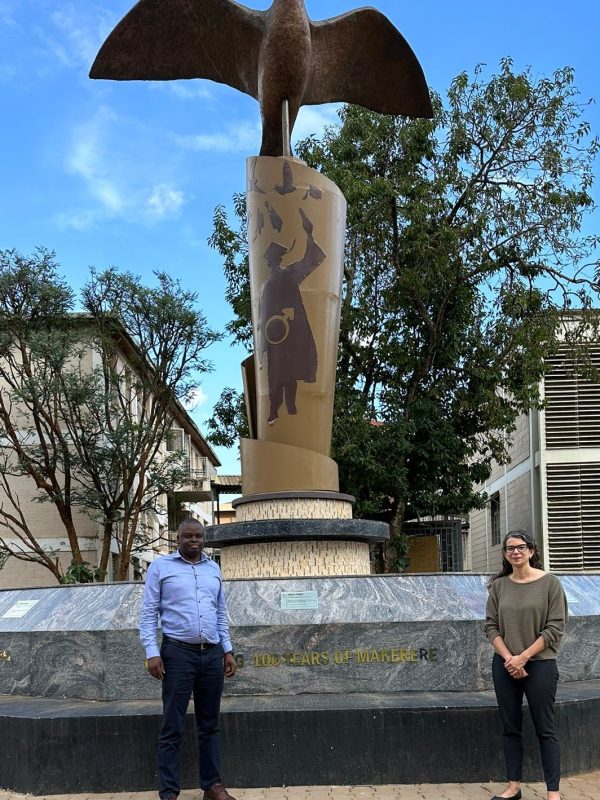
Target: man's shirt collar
pixel 177 554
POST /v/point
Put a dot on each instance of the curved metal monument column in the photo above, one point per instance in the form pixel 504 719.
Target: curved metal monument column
pixel 296 236
pixel 292 520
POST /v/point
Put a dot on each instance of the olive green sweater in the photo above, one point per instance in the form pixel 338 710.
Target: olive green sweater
pixel 521 612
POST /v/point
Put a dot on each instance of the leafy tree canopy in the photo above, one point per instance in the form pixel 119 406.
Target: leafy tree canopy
pixel 464 248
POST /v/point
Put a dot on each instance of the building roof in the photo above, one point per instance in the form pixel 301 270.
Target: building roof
pixel 226 484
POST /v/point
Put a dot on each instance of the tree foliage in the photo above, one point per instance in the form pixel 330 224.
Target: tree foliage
pixel 464 248
pixel 86 403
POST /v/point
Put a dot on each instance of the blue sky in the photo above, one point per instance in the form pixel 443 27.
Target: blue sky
pixel 128 174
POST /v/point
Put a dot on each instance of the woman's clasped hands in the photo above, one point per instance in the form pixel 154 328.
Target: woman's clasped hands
pixel 515 666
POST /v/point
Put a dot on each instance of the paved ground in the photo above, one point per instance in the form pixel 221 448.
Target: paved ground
pixel 580 787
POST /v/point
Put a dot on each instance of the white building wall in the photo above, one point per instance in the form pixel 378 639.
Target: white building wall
pixel 551 487
pixel 513 484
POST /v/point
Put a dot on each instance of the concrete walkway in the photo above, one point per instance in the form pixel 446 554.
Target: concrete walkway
pixel 580 787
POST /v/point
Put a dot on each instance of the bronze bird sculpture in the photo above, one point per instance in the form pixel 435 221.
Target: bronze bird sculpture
pixel 275 56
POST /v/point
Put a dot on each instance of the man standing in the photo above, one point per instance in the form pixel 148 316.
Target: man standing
pixel 185 589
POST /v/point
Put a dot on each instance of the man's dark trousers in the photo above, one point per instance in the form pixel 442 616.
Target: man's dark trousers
pixel 190 670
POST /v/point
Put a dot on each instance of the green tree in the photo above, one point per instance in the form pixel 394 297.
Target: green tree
pixel 86 403
pixel 463 251
pixel 469 254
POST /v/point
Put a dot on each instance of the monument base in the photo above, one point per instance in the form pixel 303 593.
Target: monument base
pixel 53 746
pixel 363 680
pixel 301 559
pixel 295 534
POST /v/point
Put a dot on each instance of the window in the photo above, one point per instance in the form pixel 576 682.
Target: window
pixel 175 440
pixel 116 563
pixel 495 518
pixel 573 522
pixel 573 403
pixel 176 516
pixel 200 469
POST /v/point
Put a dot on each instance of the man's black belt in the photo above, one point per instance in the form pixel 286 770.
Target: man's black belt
pixel 189 645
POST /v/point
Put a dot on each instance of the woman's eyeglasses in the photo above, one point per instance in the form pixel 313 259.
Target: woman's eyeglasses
pixel 516 548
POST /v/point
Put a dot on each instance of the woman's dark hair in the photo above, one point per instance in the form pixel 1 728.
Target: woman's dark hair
pixel 534 558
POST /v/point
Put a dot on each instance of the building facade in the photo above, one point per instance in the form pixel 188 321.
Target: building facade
pixel 551 486
pixel 192 498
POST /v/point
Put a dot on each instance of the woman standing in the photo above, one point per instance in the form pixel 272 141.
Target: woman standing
pixel 526 615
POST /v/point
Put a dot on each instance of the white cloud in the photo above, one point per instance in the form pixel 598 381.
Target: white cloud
pixel 88 159
pixel 7 14
pixel 55 47
pixel 313 120
pixel 45 36
pixel 242 137
pixel 184 89
pixel 116 160
pixel 81 32
pixel 77 220
pixel 165 201
pixel 69 34
pixel 197 398
pixel 82 43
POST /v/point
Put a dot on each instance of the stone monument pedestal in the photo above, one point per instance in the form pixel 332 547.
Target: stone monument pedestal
pixel 295 534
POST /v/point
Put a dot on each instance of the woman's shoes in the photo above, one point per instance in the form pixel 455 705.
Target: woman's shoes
pixel 516 796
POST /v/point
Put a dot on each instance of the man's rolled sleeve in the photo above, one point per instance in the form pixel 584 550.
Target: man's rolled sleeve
pixel 222 624
pixel 150 612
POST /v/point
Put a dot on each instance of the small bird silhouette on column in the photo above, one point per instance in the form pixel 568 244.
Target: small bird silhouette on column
pixel 275 56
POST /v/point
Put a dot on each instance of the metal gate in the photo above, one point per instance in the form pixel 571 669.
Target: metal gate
pixel 448 533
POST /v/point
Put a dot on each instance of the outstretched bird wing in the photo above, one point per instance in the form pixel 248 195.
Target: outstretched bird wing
pixel 360 57
pixel 169 39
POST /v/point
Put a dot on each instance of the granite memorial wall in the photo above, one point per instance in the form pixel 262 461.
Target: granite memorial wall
pixel 291 636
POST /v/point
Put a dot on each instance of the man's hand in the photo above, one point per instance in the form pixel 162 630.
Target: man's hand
pixel 156 668
pixel 229 665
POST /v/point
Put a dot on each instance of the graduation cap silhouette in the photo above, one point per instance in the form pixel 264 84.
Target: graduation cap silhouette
pixel 274 218
pixel 276 251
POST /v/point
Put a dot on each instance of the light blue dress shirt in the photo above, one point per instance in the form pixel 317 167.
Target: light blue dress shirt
pixel 189 599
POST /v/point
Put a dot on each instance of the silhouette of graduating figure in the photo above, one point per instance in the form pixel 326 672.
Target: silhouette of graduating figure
pixel 284 332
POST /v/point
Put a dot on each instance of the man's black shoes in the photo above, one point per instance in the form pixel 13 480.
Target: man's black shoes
pixel 217 792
